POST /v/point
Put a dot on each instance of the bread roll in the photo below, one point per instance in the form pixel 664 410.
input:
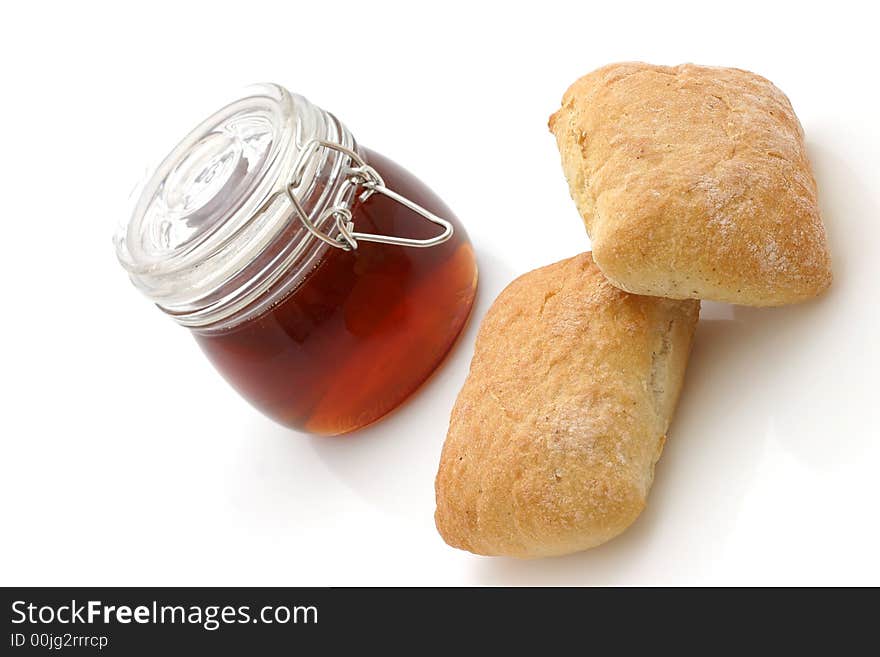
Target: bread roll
pixel 693 182
pixel 554 436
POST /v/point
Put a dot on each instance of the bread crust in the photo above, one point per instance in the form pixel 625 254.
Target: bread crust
pixel 554 436
pixel 693 182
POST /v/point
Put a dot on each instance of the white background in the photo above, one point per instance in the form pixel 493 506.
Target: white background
pixel 127 460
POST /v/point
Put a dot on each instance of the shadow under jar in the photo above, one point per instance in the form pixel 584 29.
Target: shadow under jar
pixel 324 281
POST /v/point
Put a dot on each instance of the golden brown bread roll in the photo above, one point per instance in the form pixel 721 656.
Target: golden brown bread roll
pixel 693 182
pixel 554 436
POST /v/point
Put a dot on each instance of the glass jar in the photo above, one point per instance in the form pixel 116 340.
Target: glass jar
pixel 324 281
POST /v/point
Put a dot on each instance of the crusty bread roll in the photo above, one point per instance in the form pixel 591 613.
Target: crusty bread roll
pixel 693 182
pixel 554 436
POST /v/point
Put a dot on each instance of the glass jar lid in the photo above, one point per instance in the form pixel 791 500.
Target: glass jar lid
pixel 216 171
pixel 213 207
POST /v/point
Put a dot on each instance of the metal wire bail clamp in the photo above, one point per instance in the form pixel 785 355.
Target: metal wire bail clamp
pixel 360 175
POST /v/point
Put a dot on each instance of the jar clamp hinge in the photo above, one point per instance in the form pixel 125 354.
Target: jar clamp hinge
pixel 365 176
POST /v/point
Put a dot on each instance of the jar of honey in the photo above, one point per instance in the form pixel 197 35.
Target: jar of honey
pixel 324 281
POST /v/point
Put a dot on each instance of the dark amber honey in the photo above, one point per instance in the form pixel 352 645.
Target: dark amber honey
pixel 365 328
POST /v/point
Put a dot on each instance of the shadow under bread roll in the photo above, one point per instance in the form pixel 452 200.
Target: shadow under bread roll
pixel 553 438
